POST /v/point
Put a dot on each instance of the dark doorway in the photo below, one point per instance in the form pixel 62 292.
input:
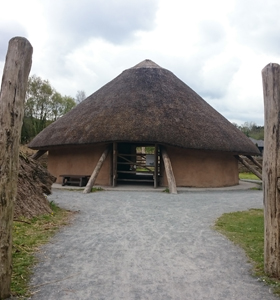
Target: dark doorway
pixel 137 164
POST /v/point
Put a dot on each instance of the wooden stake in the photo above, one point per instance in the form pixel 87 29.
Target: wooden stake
pixel 169 172
pixel 38 154
pixel 253 160
pixel 248 166
pixel 96 171
pixel 115 163
pixel 12 95
pixel 156 166
pixel 271 169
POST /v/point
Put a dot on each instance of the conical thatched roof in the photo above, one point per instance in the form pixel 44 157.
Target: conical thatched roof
pixel 145 104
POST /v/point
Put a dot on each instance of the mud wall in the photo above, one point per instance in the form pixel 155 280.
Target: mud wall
pixel 80 160
pixel 199 168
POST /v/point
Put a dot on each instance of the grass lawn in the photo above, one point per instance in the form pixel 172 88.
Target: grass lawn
pixel 248 176
pixel 246 229
pixel 28 235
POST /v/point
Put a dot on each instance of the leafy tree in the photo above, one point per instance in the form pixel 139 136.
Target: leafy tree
pixel 43 105
pixel 251 130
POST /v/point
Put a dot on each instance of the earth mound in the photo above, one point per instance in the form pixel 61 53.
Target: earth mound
pixel 34 183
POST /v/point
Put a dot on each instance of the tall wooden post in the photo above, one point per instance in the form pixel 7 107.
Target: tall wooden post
pixel 96 171
pixel 169 171
pixel 271 169
pixel 13 89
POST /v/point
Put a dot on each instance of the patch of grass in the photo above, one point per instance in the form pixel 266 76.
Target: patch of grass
pixel 96 189
pixel 28 235
pixel 166 190
pixel 248 176
pixel 246 229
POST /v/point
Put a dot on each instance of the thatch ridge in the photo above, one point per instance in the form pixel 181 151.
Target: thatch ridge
pixel 146 104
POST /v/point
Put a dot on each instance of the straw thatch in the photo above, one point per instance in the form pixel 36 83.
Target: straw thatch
pixel 146 104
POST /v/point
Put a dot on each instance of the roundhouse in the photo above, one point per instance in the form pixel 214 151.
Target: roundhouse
pixel 145 106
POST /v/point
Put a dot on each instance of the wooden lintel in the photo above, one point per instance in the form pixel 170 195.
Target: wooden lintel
pixel 169 172
pixel 96 171
pixel 248 166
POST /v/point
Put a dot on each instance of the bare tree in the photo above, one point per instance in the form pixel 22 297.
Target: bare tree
pixel 80 96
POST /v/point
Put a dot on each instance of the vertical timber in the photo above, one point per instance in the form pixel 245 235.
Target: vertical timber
pixel 271 169
pixel 169 171
pixel 156 167
pixel 115 156
pixel 12 96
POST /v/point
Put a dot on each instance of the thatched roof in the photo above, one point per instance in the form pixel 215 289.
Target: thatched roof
pixel 145 104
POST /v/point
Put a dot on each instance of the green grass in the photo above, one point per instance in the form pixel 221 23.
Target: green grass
pixel 248 176
pixel 246 229
pixel 28 235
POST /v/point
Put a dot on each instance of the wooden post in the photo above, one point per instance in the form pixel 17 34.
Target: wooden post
pixel 248 166
pixel 156 166
pixel 169 172
pixel 96 171
pixel 271 169
pixel 38 154
pixel 12 96
pixel 115 157
pixel 253 160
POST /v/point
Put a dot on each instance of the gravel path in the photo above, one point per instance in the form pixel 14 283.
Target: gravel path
pixel 141 245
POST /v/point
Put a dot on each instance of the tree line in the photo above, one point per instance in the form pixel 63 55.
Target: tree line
pixel 44 105
pixel 252 130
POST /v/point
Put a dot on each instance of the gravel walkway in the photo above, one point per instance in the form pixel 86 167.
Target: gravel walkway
pixel 141 245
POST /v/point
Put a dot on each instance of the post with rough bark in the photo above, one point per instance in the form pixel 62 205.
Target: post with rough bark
pixel 169 172
pixel 271 169
pixel 96 171
pixel 12 95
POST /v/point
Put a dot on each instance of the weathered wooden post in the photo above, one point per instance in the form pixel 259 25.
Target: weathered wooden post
pixel 169 171
pixel 12 95
pixel 271 169
pixel 96 171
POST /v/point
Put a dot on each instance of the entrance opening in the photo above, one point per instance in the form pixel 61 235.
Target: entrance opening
pixel 138 164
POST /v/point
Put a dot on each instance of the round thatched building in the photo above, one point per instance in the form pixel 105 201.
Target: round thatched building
pixel 145 106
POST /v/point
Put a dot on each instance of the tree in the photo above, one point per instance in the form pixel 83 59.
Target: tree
pixel 43 106
pixel 80 96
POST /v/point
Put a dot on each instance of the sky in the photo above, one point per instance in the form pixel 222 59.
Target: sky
pixel 217 47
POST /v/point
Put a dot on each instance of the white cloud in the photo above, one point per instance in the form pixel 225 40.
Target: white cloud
pixel 216 47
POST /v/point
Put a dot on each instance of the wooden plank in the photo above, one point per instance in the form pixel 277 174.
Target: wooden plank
pixel 156 167
pixel 115 160
pixel 169 172
pixel 96 171
pixel 271 169
pixel 38 154
pixel 248 166
pixel 12 96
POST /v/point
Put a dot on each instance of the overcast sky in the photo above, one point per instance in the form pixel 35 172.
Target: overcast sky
pixel 216 47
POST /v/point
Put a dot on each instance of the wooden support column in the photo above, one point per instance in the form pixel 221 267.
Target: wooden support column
pixel 156 167
pixel 271 169
pixel 253 160
pixel 38 154
pixel 115 166
pixel 169 172
pixel 12 96
pixel 248 166
pixel 96 171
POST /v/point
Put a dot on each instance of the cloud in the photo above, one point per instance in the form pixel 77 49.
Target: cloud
pixel 9 30
pixel 257 24
pixel 75 22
